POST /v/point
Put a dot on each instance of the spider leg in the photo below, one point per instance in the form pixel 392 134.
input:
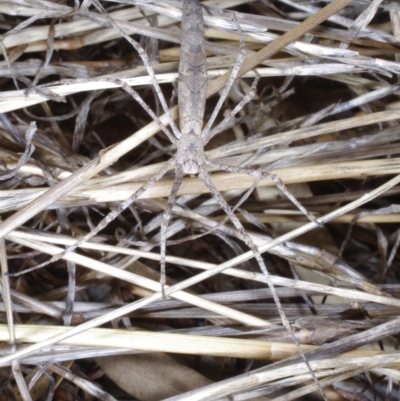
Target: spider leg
pixel 239 61
pixel 250 95
pixel 245 237
pixel 249 242
pixel 145 58
pixel 139 99
pixel 266 176
pixel 164 224
pixel 221 223
pixel 113 214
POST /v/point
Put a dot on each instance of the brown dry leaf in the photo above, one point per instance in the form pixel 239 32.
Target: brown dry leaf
pixel 151 377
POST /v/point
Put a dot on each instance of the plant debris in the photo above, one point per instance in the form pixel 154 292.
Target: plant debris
pixel 75 144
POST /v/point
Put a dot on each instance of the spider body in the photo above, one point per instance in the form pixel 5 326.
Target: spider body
pixel 190 153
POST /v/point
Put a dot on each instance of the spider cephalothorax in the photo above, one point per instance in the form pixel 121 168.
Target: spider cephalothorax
pixel 190 154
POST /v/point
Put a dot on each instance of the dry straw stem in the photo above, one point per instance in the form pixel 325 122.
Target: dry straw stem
pixel 198 278
pixel 350 150
pixel 178 343
pixel 110 156
pixel 78 28
pixel 146 283
pixel 286 376
pixel 15 100
pixel 5 290
pixel 223 181
pixel 247 382
pixel 18 199
pixel 31 241
pixel 19 99
pixel 269 217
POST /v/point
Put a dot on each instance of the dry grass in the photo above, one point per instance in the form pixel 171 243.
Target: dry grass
pixel 325 120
